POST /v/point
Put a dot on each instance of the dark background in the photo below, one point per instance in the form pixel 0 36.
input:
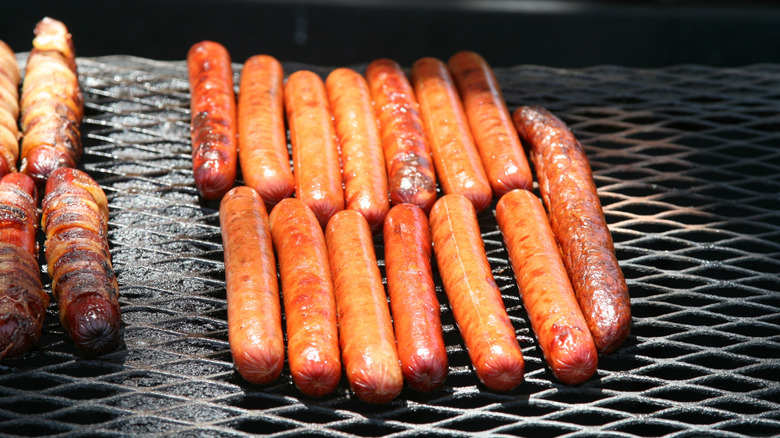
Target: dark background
pixel 330 33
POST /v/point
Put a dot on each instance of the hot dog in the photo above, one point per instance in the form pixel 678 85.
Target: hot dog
pixel 307 293
pixel 262 139
pixel 413 301
pixel 569 192
pixel 213 125
pixel 52 105
pixel 314 145
pixel 545 288
pixel 494 134
pixel 411 177
pixel 75 220
pixel 365 177
pixel 253 310
pixel 473 294
pixel 458 166
pixel 23 301
pixel 9 109
pixel 365 329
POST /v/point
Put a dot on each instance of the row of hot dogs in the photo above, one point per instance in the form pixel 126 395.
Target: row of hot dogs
pixel 361 144
pixel 74 209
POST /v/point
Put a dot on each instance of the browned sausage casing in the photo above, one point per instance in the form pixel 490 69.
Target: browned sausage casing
pixel 365 328
pixel 253 309
pixel 569 192
pixel 213 112
pixel 365 177
pixel 314 145
pixel 75 220
pixel 9 109
pixel 307 293
pixel 415 308
pixel 473 294
pixel 458 166
pixel 491 124
pixel 23 301
pixel 262 139
pixel 411 177
pixel 545 288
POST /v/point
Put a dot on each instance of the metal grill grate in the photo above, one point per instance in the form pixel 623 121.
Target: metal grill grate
pixel 686 159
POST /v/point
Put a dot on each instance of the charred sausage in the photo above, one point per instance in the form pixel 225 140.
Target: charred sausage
pixel 9 109
pixel 569 192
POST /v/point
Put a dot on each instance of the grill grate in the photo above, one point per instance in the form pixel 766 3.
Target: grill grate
pixel 686 159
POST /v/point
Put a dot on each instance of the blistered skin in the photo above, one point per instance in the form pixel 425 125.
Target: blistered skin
pixel 494 134
pixel 253 310
pixel 458 166
pixel 23 301
pixel 308 298
pixel 569 193
pixel 262 139
pixel 213 126
pixel 75 220
pixel 473 294
pixel 411 177
pixel 365 328
pixel 317 169
pixel 365 177
pixel 9 109
pixel 413 301
pixel 51 104
pixel 545 288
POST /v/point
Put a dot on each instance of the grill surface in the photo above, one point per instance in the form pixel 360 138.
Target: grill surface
pixel 686 159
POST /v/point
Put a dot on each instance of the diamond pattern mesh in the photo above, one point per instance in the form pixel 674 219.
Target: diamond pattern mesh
pixel 686 160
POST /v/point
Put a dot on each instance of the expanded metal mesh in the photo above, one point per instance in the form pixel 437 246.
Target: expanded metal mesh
pixel 687 162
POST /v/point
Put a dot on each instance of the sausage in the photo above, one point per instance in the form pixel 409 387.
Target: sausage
pixel 75 220
pixel 51 104
pixel 9 109
pixel 411 177
pixel 545 288
pixel 458 166
pixel 569 193
pixel 473 294
pixel 213 125
pixel 491 125
pixel 262 139
pixel 307 294
pixel 253 310
pixel 23 301
pixel 315 152
pixel 365 328
pixel 365 177
pixel 413 301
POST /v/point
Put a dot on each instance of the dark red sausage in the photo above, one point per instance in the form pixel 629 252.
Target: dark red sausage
pixel 545 288
pixel 413 299
pixel 491 124
pixel 75 220
pixel 567 189
pixel 473 294
pixel 253 309
pixel 458 166
pixel 314 146
pixel 411 177
pixel 262 138
pixel 213 126
pixel 365 178
pixel 365 328
pixel 307 292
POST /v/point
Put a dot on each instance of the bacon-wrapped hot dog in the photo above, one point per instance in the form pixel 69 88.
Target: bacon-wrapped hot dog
pixel 410 174
pixel 75 220
pixel 569 192
pixel 52 105
pixel 213 112
pixel 23 301
pixel 9 109
pixel 491 124
pixel 262 139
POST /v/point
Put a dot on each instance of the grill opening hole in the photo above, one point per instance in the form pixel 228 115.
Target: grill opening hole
pixel 31 382
pixel 757 428
pixel 31 406
pixel 537 430
pixel 369 428
pixel 762 351
pixel 621 362
pixel 528 408
pixel 262 426
pixel 577 395
pixel 590 418
pixel 35 429
pixel 731 384
pixel 628 384
pixel 478 423
pixel 634 405
pixel 312 415
pixel 646 309
pixel 86 369
pixel 647 428
pixel 741 406
pixel 719 361
pixel 87 417
pixel 425 415
pixel 674 372
pixel 707 339
pixel 88 392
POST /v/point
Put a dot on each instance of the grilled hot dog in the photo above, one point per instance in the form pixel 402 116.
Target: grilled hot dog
pixel 9 109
